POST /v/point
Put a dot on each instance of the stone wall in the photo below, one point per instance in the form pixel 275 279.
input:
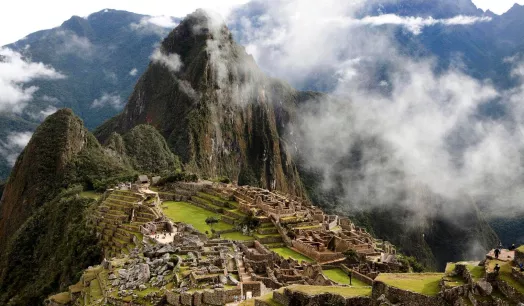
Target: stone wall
pixel 326 299
pixel 519 257
pixel 311 252
pixel 509 291
pixel 404 297
pixel 517 275
pixel 357 275
pixel 216 297
pixel 255 288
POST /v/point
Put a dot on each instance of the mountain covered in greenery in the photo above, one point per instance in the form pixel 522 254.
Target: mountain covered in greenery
pixel 100 56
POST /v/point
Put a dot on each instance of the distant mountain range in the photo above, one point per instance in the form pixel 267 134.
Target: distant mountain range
pixel 101 56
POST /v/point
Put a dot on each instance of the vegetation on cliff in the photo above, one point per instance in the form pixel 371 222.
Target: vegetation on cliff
pixel 50 251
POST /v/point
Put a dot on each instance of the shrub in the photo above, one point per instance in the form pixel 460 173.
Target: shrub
pixel 178 176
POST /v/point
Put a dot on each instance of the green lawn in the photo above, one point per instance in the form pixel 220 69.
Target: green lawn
pixel 196 216
pixel 90 194
pixel 343 291
pixel 477 272
pixel 238 236
pixel 423 283
pixel 341 277
pixel 289 253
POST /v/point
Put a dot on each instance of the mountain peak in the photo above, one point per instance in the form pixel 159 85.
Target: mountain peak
pixel 61 136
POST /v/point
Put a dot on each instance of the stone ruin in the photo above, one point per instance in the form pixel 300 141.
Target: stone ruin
pixel 307 229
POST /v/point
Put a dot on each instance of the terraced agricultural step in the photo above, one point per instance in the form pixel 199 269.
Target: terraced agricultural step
pixel 134 227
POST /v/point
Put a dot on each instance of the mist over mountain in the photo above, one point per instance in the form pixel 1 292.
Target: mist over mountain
pixel 99 59
pixel 423 98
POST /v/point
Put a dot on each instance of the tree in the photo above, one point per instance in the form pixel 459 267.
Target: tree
pixel 351 256
pixel 250 221
pixel 211 221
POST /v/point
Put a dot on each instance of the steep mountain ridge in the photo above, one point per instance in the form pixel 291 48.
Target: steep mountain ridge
pixel 216 109
pixel 44 221
pixel 52 147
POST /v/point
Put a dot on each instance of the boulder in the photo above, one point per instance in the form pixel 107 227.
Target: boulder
pixel 484 288
pixel 123 274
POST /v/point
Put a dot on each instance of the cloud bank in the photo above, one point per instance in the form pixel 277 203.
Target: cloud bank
pixel 15 73
pixel 108 100
pixel 395 130
pixel 14 143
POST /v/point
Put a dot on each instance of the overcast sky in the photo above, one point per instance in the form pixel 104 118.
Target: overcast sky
pixel 17 21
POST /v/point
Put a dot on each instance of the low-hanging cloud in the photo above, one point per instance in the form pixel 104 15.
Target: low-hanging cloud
pixel 15 73
pixel 171 61
pixel 159 25
pixel 395 129
pixel 108 100
pixel 70 43
pixel 414 24
pixel 13 144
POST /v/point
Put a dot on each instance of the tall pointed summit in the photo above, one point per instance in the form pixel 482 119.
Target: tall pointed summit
pixel 214 106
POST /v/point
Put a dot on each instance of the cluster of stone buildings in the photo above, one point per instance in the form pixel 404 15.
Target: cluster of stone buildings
pixel 307 229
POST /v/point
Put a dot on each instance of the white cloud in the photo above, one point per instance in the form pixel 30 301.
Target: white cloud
pixel 133 72
pixel 112 100
pixel 42 114
pixel 15 72
pixel 11 147
pixel 49 99
pixel 163 21
pixel 73 44
pixel 413 24
pixel 171 61
pixel 159 25
pixel 414 133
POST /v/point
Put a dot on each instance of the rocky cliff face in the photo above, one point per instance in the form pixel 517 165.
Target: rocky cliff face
pixel 218 112
pixel 39 169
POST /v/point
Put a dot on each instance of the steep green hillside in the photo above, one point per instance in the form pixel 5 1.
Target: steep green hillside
pixel 149 151
pixel 45 224
pixel 49 251
pixel 102 56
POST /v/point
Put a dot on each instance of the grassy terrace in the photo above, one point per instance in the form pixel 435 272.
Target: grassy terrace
pixel 343 291
pixel 453 280
pixel 505 274
pixel 196 216
pixel 339 276
pixel 289 253
pixel 477 272
pixel 423 283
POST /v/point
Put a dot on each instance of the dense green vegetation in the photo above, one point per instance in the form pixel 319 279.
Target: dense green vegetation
pixel 50 251
pixel 149 152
